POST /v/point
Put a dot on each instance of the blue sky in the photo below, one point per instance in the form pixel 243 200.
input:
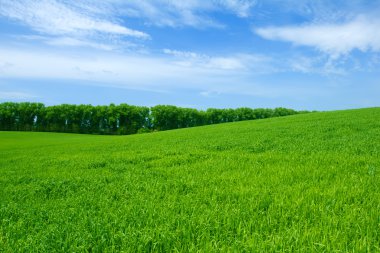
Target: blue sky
pixel 304 54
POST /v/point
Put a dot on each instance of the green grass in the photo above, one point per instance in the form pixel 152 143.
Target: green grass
pixel 303 183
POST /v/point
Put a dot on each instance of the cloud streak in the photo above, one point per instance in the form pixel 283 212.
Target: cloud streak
pixel 183 70
pixel 253 63
pixel 192 59
pixel 55 18
pixel 15 95
pixel 334 39
pixel 241 8
pixel 193 13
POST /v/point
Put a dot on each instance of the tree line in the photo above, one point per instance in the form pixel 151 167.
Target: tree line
pixel 120 119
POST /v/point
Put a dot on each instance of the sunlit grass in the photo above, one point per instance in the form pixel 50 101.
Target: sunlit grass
pixel 306 183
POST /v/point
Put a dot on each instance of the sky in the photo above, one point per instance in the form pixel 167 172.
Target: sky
pixel 300 54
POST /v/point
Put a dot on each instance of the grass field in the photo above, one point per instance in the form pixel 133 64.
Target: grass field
pixel 303 183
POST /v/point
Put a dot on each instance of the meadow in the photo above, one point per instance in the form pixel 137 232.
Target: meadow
pixel 300 183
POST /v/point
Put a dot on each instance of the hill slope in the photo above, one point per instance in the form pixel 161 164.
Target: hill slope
pixel 307 183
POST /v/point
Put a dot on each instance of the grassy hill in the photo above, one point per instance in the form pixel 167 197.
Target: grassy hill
pixel 307 183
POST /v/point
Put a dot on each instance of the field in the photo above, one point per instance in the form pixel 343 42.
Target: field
pixel 302 183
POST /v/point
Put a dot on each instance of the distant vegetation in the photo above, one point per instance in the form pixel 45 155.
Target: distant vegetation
pixel 120 119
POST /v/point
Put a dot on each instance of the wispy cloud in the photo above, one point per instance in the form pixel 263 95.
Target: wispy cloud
pixel 67 41
pixel 4 66
pixel 191 59
pixel 15 95
pixel 185 70
pixel 194 13
pixel 242 8
pixel 62 17
pixel 171 13
pixel 336 40
pixel 56 18
pixel 321 65
pixel 210 93
pixel 101 25
pixel 240 62
pixel 183 54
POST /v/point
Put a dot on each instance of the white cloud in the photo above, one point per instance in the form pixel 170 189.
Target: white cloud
pixel 171 13
pixel 133 71
pixel 320 65
pixel 361 33
pixel 100 24
pixel 193 13
pixel 226 63
pixel 4 66
pixel 15 95
pixel 67 41
pixel 242 8
pixel 210 93
pixel 142 72
pixel 56 18
pixel 184 54
pixel 241 62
